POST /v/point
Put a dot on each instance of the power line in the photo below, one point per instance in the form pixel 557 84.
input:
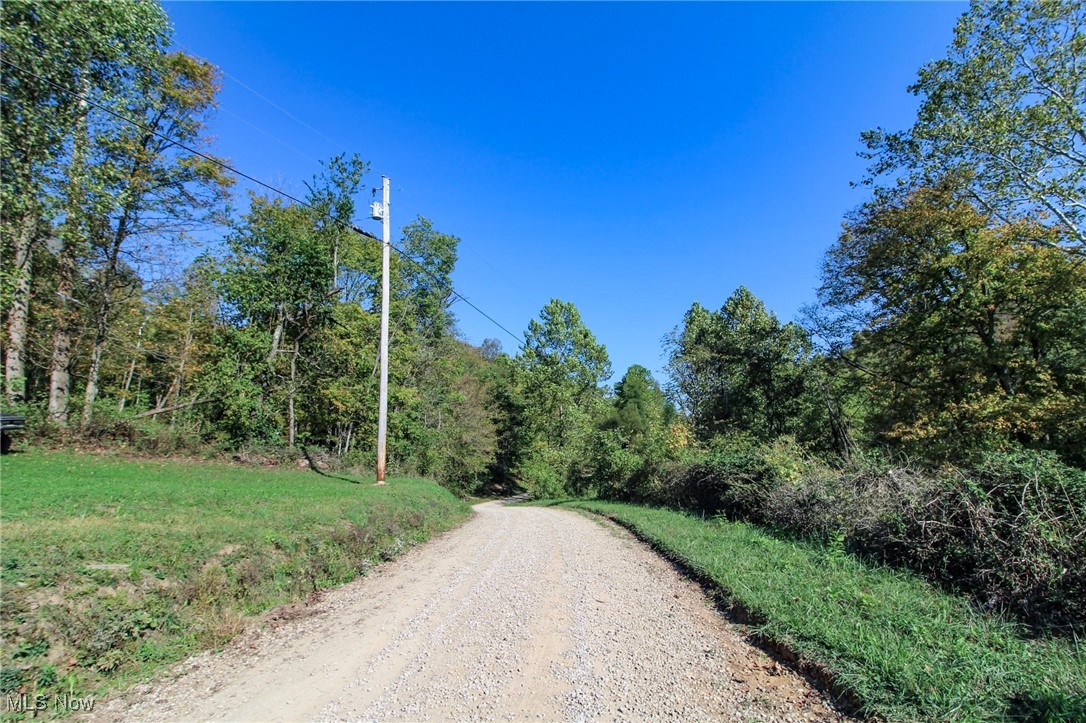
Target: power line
pixel 302 123
pixel 206 156
pixel 257 128
pixel 267 100
pixel 227 167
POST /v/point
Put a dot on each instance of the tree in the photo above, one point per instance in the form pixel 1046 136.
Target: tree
pixel 640 405
pixel 1004 113
pixel 277 287
pixel 426 361
pixel 563 367
pixel 739 369
pixel 970 335
pixel 160 191
pixel 454 418
pixel 330 196
pixel 560 372
pixel 427 277
pixel 54 53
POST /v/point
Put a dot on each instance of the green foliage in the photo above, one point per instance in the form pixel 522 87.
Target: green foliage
pixel 239 411
pixel 513 432
pixel 558 375
pixel 74 47
pixel 562 356
pixel 74 173
pixel 641 410
pixel 277 270
pixel 1007 531
pixel 740 370
pixel 449 432
pixel 125 565
pixel 1004 112
pixel 615 465
pixel 543 475
pixel 967 337
pixel 906 651
pixel 427 281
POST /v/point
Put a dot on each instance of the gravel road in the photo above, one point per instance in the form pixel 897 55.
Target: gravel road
pixel 522 613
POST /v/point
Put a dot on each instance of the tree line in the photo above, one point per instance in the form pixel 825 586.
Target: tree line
pixel 950 332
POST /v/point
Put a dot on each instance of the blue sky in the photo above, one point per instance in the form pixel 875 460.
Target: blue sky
pixel 630 157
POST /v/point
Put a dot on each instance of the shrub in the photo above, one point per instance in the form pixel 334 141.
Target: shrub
pixel 1012 531
pixel 615 466
pixel 738 476
pixel 108 426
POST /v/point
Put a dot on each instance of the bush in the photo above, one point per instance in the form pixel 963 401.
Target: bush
pixel 737 476
pixel 108 426
pixel 1010 531
pixel 615 466
pixel 729 478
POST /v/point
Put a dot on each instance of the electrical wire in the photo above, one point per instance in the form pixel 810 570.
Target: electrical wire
pixel 260 130
pixel 227 167
pixel 520 340
pixel 264 98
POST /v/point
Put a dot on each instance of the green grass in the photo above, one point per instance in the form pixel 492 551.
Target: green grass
pixel 903 649
pixel 113 567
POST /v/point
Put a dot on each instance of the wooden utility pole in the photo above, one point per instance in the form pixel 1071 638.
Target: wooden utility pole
pixel 382 408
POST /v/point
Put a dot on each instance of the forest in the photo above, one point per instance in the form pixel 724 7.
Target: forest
pixel 929 412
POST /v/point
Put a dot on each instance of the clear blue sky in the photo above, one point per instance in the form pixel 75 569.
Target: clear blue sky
pixel 631 158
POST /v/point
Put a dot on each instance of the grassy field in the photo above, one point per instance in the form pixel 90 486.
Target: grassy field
pixel 901 648
pixel 113 567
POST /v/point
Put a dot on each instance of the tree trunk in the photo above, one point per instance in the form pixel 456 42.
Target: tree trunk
pixel 175 387
pixel 91 393
pixel 179 379
pixel 19 311
pixel 277 333
pixel 131 367
pixel 290 395
pixel 59 374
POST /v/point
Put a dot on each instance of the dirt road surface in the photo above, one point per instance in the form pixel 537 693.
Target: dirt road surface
pixel 523 613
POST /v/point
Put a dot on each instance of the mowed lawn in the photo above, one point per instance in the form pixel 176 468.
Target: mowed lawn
pixel 114 566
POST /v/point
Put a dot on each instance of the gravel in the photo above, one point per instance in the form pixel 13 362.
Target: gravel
pixel 523 613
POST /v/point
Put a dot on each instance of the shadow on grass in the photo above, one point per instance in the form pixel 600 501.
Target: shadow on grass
pixel 1052 707
pixel 313 466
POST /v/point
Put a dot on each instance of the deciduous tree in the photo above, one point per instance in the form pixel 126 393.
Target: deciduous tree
pixel 740 369
pixel 1005 113
pixel 970 335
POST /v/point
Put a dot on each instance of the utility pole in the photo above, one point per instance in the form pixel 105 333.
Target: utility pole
pixel 382 409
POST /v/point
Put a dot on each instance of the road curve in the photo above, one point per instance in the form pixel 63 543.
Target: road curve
pixel 523 613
